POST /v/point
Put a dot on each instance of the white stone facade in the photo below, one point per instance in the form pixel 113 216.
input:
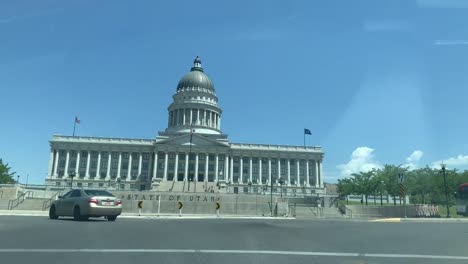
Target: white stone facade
pixel 191 155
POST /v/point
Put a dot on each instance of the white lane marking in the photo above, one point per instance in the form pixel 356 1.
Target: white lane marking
pixel 222 251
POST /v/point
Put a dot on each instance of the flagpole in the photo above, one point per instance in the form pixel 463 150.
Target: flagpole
pixel 74 126
pixel 304 140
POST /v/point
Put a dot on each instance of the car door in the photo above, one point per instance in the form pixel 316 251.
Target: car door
pixel 69 202
pixel 59 203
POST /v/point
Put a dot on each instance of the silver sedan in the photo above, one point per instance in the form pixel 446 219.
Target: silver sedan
pixel 82 204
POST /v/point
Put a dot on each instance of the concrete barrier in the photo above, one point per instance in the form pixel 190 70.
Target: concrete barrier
pixel 382 211
pixel 200 203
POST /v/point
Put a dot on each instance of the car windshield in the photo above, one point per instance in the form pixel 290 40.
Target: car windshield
pixel 98 193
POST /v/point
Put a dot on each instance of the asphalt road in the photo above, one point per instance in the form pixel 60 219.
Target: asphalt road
pixel 36 239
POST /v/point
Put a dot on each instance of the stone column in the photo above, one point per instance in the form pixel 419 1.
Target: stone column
pixel 226 167
pixel 129 171
pixel 219 122
pixel 109 166
pixel 191 116
pixel 166 157
pixel 119 165
pixel 50 172
pixel 241 171
pixel 270 176
pixel 316 174
pixel 198 116
pixel 57 153
pixel 196 168
pixel 231 164
pixel 98 167
pixel 67 160
pixel 207 156
pixel 307 173
pixel 260 174
pixel 155 165
pixel 204 118
pixel 186 167
pixel 250 169
pixel 298 173
pixel 77 165
pixel 289 170
pixel 88 163
pixel 278 163
pixel 176 167
pixel 320 174
pixel 216 167
pixel 140 161
pixel 183 121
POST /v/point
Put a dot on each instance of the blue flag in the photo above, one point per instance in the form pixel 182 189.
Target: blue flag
pixel 307 132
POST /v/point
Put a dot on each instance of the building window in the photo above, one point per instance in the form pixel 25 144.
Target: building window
pixel 125 166
pixel 134 166
pixel 90 185
pixel 93 164
pixel 145 165
pixel 132 186
pixel 145 156
pixel 73 153
pixel 125 155
pixel 135 155
pixel 62 163
pixel 79 184
pixel 84 154
pixel 58 184
pixel 122 186
pixel 221 157
pixel 83 164
pixel 101 184
pixel 201 156
pixel 134 174
pixel 94 154
pixel 254 169
pixel 115 155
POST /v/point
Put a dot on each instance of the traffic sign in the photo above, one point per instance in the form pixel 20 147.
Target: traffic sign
pixel 401 178
pixel 218 205
pixel 402 190
pixel 181 205
pixel 140 204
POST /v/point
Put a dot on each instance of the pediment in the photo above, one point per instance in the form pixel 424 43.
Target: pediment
pixel 196 140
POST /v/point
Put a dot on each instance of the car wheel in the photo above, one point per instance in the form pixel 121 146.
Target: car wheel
pixel 76 214
pixel 111 218
pixel 52 213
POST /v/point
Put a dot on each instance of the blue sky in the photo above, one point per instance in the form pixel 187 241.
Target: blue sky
pixel 375 81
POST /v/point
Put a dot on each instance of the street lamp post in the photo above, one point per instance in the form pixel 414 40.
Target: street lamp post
pixel 281 182
pixel 381 200
pixel 17 179
pixel 71 181
pixel 446 193
pixel 271 195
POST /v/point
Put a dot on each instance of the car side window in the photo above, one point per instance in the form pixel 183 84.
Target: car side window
pixel 67 195
pixel 76 193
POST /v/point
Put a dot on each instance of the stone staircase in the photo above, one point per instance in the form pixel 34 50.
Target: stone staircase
pixel 4 204
pixel 31 204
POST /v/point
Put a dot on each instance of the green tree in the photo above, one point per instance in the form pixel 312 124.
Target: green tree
pixel 5 175
pixel 345 187
pixel 365 183
pixel 389 174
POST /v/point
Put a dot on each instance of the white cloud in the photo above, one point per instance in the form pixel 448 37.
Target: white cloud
pixel 443 3
pixel 362 159
pixel 454 162
pixel 413 159
pixel 385 25
pixel 451 42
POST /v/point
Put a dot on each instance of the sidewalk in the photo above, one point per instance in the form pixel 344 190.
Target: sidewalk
pixel 148 215
pixel 421 220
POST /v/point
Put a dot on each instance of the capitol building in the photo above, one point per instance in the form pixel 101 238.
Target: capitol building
pixel 191 155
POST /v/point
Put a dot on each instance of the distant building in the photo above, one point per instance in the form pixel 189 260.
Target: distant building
pixel 192 154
